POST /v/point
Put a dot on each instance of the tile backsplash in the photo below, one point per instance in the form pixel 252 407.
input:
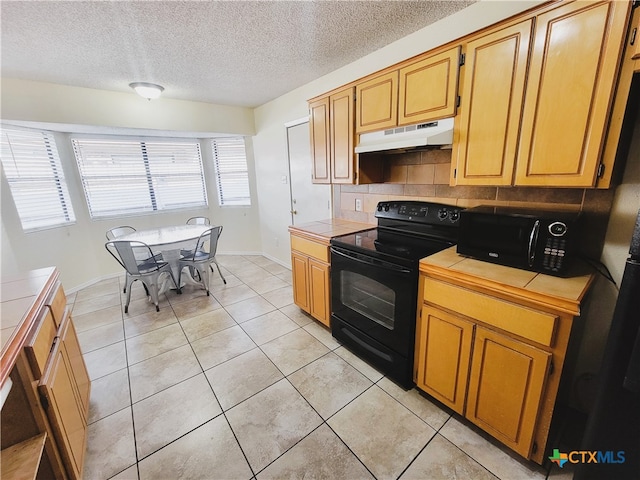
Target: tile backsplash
pixel 424 175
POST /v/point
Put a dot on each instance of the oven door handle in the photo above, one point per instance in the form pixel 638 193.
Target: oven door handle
pixel 369 261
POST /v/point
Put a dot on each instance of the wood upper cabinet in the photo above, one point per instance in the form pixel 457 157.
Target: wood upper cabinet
pixel 428 89
pixel 491 106
pixel 572 75
pixel 332 136
pixel 505 388
pixel 377 103
pixel 444 352
pixel 342 135
pixel 320 138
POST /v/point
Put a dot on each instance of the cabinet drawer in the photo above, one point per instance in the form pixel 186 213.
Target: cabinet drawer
pixel 311 248
pixel 39 345
pixel 57 302
pixel 525 322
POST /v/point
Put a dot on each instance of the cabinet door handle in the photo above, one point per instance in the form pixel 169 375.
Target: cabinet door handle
pixel 293 212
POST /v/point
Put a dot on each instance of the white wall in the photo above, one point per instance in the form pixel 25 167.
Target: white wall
pixel 270 140
pixel 78 250
pixel 47 102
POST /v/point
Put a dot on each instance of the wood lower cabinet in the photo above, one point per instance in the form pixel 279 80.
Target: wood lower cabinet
pixel 506 384
pixel 47 405
pixel 444 353
pixel 310 270
pixel 493 350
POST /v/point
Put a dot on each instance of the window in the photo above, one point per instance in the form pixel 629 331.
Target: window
pixel 139 176
pixel 36 180
pixel 232 175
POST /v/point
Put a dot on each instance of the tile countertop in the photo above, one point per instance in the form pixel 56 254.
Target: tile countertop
pixel 20 297
pixel 563 293
pixel 324 230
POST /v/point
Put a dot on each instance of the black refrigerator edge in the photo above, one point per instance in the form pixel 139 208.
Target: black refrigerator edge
pixel 613 424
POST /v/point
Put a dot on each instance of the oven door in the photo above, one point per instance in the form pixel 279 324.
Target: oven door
pixel 375 297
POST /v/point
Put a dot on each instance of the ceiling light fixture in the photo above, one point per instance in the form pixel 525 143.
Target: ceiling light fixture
pixel 146 90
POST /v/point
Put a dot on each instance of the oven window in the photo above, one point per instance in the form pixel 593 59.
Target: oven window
pixel 368 297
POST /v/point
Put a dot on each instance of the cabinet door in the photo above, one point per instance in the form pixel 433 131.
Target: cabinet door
pixel 444 350
pixel 319 291
pixel 428 89
pixel 300 275
pixel 319 133
pixel 491 106
pixel 64 408
pixel 377 103
pixel 505 388
pixel 79 368
pixel 571 80
pixel 342 135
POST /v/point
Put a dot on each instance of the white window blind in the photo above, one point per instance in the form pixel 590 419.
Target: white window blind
pixel 232 175
pixel 123 177
pixel 32 166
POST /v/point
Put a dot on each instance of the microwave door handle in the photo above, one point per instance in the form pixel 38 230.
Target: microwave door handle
pixel 533 240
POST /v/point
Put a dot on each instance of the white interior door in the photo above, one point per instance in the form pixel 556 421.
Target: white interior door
pixel 309 202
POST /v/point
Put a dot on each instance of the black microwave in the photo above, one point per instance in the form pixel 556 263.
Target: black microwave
pixel 537 240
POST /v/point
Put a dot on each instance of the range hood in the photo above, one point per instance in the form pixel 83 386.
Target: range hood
pixel 412 136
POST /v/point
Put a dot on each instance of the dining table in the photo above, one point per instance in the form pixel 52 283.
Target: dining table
pixel 169 241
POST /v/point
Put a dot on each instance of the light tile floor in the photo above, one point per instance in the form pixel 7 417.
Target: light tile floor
pixel 242 384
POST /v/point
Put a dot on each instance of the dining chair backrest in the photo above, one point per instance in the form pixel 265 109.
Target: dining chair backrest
pixel 135 257
pixel 207 244
pixel 198 221
pixel 119 232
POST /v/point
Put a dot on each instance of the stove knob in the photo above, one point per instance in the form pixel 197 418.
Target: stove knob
pixel 454 215
pixel 379 207
pixel 442 213
pixel 386 207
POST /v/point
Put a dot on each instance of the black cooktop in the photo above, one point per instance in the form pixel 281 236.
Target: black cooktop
pixel 380 243
pixel 407 231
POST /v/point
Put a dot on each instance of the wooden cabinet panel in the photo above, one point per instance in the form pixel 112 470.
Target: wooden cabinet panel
pixel 78 367
pixel 491 106
pixel 319 291
pixel 444 346
pixel 505 388
pixel 57 303
pixel 428 89
pixel 39 345
pixel 528 323
pixel 63 409
pixel 319 133
pixel 310 248
pixel 377 103
pixel 342 129
pixel 299 269
pixel 572 72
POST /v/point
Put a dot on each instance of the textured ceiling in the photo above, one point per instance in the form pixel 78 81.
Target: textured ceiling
pixel 241 53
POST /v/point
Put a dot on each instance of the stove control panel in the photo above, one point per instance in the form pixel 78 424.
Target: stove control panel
pixel 419 212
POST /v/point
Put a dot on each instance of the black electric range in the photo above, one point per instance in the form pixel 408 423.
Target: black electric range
pixel 374 281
